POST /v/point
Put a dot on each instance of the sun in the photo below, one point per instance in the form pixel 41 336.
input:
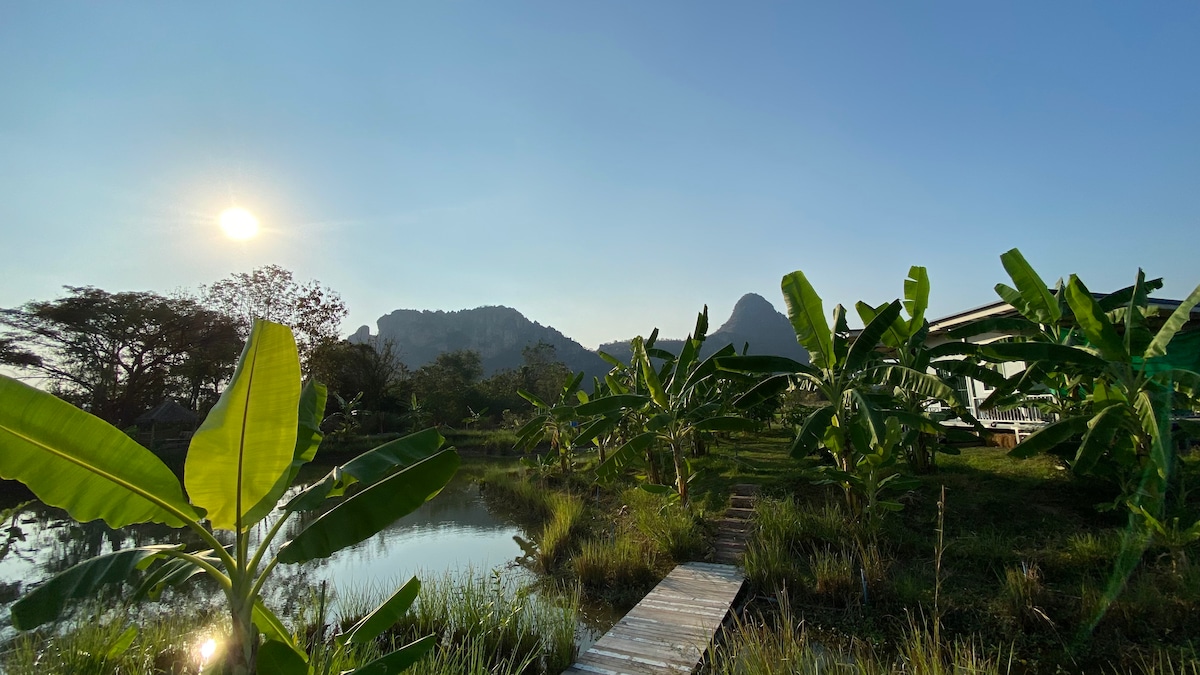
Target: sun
pixel 238 223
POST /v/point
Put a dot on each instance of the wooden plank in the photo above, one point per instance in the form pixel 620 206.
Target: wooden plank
pixel 670 629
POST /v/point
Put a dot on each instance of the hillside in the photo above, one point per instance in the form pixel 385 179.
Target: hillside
pixel 500 334
pixel 754 321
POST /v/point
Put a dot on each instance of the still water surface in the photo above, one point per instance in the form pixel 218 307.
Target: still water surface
pixel 454 532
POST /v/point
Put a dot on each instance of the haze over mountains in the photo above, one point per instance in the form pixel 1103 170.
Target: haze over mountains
pixel 500 334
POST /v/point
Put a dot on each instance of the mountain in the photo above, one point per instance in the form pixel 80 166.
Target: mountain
pixel 499 334
pixel 754 321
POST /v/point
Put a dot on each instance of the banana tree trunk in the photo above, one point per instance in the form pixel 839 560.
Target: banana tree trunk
pixel 681 483
pixel 242 654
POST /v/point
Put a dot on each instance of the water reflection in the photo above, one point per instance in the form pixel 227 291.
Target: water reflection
pixel 453 532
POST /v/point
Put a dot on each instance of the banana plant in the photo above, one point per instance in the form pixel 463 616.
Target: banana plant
pixel 851 375
pixel 241 460
pixel 874 473
pixel 678 405
pixel 1126 429
pixel 905 344
pixel 555 423
pixel 1040 336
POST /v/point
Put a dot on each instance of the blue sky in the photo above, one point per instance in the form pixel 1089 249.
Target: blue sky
pixel 603 167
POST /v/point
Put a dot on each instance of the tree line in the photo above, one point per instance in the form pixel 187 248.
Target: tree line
pixel 117 355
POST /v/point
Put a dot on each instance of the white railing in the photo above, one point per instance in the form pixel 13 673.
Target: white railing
pixel 1024 414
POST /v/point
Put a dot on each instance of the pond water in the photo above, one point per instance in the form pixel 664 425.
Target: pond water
pixel 452 533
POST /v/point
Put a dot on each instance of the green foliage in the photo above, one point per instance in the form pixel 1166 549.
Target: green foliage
pixel 662 408
pixel 120 354
pixel 490 616
pixel 622 563
pixel 863 384
pixel 241 460
pixel 675 530
pixel 446 387
pixel 554 421
pixel 1111 361
pixel 560 535
pixel 271 293
pixel 784 646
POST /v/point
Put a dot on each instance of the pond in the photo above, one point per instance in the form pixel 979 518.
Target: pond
pixel 453 533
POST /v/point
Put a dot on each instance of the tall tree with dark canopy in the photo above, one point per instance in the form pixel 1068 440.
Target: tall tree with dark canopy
pixel 118 354
pixel 314 312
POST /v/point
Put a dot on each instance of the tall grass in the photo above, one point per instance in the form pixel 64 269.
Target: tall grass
pixel 620 570
pixel 782 646
pixel 559 536
pixel 675 530
pixel 107 642
pixel 516 496
pixel 494 616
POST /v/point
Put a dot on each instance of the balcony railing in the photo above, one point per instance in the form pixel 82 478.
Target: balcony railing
pixel 1021 415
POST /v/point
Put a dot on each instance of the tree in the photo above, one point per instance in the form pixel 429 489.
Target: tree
pixel 240 463
pixel 446 387
pixel 904 343
pixel 1125 424
pixel 853 377
pixel 680 402
pixel 372 370
pixel 554 421
pixel 119 354
pixel 313 311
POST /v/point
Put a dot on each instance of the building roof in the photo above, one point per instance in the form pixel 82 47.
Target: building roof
pixel 167 412
pixel 1001 308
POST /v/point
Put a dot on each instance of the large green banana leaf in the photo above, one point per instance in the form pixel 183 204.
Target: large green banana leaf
pixel 916 297
pixel 308 439
pixel 46 602
pixel 811 433
pixel 896 335
pixel 1158 346
pixel 1036 300
pixel 1102 430
pixel 280 658
pixel 365 513
pixel 1044 439
pixel 807 314
pixel 375 464
pixel 399 660
pixel 864 345
pixel 1093 322
pixel 625 455
pixel 248 439
pixel 384 616
pixel 78 462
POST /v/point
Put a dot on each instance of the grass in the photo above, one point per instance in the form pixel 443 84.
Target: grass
pixel 106 641
pixel 561 533
pixel 486 624
pixel 676 531
pixel 780 644
pixel 1028 566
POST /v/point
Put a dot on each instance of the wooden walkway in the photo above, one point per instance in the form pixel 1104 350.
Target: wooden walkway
pixel 732 529
pixel 670 630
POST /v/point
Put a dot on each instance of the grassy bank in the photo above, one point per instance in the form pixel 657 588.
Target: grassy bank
pixel 615 541
pixel 487 625
pixel 1025 566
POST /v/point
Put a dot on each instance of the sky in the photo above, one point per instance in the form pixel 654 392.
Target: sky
pixel 603 167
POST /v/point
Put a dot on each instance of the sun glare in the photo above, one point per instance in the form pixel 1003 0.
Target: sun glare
pixel 207 649
pixel 238 223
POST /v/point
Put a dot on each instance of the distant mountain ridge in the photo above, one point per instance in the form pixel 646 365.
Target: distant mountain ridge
pixel 500 334
pixel 754 322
